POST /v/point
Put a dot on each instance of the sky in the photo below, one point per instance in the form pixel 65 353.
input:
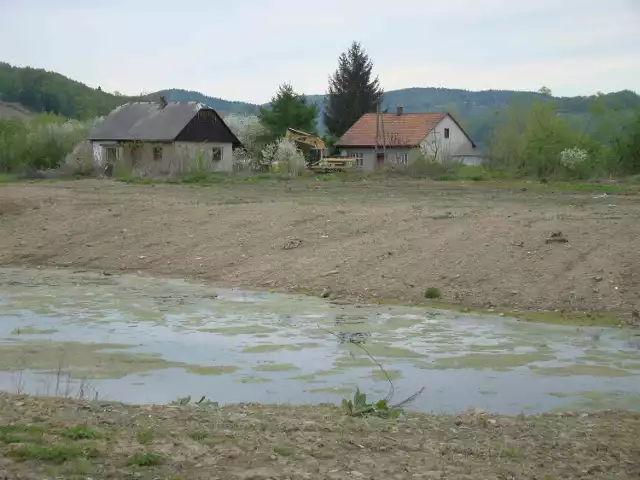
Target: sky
pixel 243 49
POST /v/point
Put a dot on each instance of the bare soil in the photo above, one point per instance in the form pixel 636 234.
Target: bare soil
pixel 479 245
pixel 63 439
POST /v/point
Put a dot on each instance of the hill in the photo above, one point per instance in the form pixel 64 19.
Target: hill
pixel 478 112
pixel 38 90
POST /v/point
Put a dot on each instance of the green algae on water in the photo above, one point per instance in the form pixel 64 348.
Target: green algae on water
pixel 250 379
pixel 275 367
pixel 31 330
pixel 80 360
pixel 351 362
pixel 589 370
pixel 334 390
pixel 272 348
pixel 212 369
pixel 306 378
pixel 379 375
pixel 240 330
pixel 497 361
pixel 379 350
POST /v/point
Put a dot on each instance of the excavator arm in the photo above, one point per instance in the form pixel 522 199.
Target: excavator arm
pixel 305 138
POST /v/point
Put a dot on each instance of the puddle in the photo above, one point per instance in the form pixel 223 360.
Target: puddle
pixel 147 340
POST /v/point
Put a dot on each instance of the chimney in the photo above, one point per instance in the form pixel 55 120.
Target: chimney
pixel 163 101
pixel 399 110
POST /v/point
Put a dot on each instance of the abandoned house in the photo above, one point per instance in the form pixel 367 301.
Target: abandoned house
pixel 149 139
pixel 388 139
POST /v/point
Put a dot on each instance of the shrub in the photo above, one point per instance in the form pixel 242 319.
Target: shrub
pixel 433 293
pixel 42 143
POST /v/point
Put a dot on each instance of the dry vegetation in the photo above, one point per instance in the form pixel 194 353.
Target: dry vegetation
pixel 384 240
pixel 52 438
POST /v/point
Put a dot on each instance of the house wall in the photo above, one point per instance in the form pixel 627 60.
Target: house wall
pixel 177 158
pixel 394 156
pixel 445 147
pixel 471 160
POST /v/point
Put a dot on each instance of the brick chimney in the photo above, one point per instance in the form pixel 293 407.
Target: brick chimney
pixel 399 110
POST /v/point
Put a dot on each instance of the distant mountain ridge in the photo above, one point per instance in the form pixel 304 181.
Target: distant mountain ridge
pixel 39 90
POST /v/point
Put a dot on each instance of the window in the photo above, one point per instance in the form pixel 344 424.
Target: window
pixel 446 133
pixel 112 155
pixel 216 154
pixel 402 158
pixel 157 153
pixel 359 158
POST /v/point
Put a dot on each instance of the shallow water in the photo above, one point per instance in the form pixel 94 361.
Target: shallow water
pixel 148 340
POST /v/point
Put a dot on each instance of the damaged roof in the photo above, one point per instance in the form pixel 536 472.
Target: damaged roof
pixel 146 121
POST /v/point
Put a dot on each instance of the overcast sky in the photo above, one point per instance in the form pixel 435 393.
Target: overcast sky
pixel 243 49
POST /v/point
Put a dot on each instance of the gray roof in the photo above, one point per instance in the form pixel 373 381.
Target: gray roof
pixel 146 121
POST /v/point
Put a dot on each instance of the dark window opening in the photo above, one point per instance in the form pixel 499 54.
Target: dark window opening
pixel 112 155
pixel 216 154
pixel 446 133
pixel 157 153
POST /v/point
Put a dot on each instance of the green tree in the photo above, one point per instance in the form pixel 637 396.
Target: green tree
pixel 287 109
pixel 352 91
pixel 627 147
pixel 530 139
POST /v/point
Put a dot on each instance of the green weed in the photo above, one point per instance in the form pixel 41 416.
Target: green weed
pixel 358 407
pixel 57 453
pixel 21 433
pixel 203 402
pixel 198 435
pixel 81 433
pixel 145 436
pixel 146 459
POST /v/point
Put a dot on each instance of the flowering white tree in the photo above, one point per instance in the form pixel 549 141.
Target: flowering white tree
pixel 571 158
pixel 284 156
pixel 247 128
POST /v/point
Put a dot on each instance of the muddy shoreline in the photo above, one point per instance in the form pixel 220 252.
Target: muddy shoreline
pixel 375 243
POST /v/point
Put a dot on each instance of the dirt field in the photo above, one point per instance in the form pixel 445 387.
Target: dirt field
pixel 50 438
pixel 379 241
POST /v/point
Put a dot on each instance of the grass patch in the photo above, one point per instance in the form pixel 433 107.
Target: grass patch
pixel 81 433
pixel 145 436
pixel 8 178
pixel 21 433
pixel 146 459
pixel 57 453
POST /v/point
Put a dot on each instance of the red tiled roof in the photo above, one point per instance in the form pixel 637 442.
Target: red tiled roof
pixel 408 129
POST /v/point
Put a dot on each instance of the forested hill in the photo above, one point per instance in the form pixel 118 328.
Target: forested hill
pixel 39 90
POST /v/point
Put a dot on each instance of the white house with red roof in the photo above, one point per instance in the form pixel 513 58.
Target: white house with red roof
pixel 396 135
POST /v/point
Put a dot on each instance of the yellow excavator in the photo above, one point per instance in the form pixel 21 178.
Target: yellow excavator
pixel 320 163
